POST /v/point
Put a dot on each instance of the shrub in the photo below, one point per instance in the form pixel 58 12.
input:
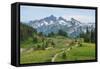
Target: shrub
pixel 64 55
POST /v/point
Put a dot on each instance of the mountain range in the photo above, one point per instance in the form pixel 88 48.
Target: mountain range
pixel 53 24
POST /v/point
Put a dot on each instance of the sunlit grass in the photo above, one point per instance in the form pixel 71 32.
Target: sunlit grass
pixel 85 52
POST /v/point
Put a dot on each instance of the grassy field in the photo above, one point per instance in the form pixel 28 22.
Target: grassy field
pixel 86 52
pixel 62 50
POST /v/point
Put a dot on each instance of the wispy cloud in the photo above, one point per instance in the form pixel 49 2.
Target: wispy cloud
pixel 81 18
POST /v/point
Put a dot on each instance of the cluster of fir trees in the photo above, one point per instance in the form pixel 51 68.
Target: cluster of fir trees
pixel 60 32
pixel 89 35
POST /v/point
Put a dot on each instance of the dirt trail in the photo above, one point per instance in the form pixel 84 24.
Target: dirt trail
pixel 68 49
pixel 54 57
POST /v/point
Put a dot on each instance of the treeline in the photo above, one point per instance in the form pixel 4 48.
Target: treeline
pixel 89 35
pixel 60 32
pixel 26 31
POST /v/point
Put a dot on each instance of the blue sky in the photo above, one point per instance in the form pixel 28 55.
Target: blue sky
pixel 28 13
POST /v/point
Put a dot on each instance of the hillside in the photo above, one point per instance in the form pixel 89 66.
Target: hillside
pixel 26 31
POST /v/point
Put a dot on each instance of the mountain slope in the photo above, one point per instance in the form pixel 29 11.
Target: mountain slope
pixel 54 24
pixel 26 31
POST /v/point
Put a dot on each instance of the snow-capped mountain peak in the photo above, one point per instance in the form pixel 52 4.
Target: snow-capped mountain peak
pixel 54 24
pixel 75 22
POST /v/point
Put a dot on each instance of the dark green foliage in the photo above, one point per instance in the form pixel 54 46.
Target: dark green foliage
pixel 46 44
pixel 38 46
pixel 82 35
pixel 35 40
pixel 51 34
pixel 52 43
pixel 64 55
pixel 89 36
pixel 93 35
pixel 80 44
pixel 26 31
pixel 62 33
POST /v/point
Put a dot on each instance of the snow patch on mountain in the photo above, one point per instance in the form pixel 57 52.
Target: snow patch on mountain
pixel 54 24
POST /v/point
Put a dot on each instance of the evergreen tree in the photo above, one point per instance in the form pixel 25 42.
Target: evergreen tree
pixel 62 33
pixel 89 35
pixel 51 34
pixel 93 35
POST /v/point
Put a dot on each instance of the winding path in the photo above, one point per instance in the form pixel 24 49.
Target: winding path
pixel 54 57
pixel 68 49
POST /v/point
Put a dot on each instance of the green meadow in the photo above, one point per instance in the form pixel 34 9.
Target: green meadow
pixel 63 48
pixel 37 48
